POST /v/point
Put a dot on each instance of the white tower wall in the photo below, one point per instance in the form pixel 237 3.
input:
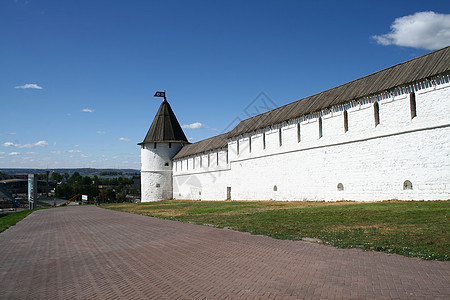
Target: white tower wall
pixel 156 170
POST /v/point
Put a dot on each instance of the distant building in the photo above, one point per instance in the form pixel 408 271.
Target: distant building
pixel 18 184
pixel 383 136
pixel 15 184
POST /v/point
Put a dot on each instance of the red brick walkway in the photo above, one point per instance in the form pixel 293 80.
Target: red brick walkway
pixel 92 253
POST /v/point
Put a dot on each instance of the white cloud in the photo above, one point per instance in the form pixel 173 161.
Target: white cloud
pixel 191 139
pixel 195 125
pixel 29 153
pixel 41 144
pixel 423 30
pixel 65 151
pixel 29 86
pixel 89 110
pixel 2 153
pixel 101 132
pixel 84 155
pixel 124 139
pixel 37 144
pixel 13 153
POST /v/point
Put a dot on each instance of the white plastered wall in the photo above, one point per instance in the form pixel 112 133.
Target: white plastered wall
pixel 371 162
pixel 205 182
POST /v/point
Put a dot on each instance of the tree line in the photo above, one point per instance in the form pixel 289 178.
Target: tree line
pixel 98 189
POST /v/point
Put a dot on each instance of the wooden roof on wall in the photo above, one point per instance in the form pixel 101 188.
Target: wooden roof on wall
pixel 216 142
pixel 420 68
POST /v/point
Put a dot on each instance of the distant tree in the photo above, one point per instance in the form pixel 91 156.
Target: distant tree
pixel 111 195
pixel 121 197
pixel 113 189
pixel 102 197
pixel 87 180
pixel 64 191
pixel 56 176
pixel 76 177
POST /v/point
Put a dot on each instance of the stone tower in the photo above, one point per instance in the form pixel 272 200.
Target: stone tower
pixel 163 140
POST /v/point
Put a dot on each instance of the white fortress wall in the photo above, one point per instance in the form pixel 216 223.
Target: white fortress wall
pixel 369 162
pixel 205 181
pixel 363 168
pixel 156 171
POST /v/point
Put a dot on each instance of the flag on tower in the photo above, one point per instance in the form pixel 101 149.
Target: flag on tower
pixel 160 94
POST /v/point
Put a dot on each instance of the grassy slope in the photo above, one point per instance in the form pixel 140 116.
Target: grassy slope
pixel 418 229
pixel 12 219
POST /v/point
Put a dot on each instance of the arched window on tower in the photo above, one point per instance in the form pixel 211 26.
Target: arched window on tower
pixel 412 105
pixel 345 121
pixel 299 138
pixel 376 113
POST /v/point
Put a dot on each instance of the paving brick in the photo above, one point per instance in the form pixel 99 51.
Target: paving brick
pixel 88 252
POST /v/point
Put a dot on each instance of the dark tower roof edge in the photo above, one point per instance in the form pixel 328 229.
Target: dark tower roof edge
pixel 165 127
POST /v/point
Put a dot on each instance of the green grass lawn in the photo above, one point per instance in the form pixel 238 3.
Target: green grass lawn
pixel 12 219
pixel 419 229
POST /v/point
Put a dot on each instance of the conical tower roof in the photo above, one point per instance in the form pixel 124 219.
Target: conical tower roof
pixel 165 127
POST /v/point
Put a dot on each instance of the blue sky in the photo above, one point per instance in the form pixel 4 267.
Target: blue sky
pixel 77 78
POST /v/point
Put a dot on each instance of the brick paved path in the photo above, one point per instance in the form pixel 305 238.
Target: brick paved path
pixel 92 253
